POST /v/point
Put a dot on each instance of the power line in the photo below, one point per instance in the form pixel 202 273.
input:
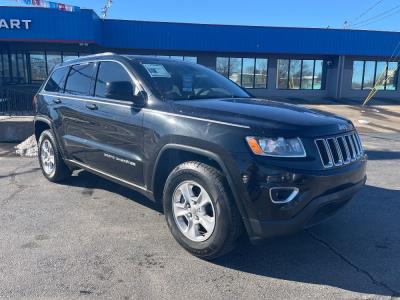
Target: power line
pixel 368 10
pixel 379 19
pixel 379 16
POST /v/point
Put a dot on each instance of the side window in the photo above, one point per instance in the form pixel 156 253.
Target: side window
pixel 79 81
pixel 114 82
pixel 56 81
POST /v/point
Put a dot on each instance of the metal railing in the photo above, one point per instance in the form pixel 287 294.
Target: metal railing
pixel 16 100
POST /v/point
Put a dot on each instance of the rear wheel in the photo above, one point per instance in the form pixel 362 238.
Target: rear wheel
pixel 199 210
pixel 51 162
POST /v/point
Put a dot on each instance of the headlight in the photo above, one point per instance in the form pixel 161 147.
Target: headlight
pixel 279 147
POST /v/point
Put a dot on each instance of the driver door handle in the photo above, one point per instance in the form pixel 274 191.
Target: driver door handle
pixel 91 106
pixel 56 100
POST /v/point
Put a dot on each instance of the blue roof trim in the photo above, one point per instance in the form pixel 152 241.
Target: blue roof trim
pixel 53 25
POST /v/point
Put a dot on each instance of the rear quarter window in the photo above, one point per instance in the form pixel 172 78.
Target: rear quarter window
pixel 56 81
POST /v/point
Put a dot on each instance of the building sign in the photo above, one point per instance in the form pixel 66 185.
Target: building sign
pixel 15 24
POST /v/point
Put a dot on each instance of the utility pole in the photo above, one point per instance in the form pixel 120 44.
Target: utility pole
pixel 107 6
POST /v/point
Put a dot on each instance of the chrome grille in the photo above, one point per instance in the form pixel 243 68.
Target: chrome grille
pixel 339 150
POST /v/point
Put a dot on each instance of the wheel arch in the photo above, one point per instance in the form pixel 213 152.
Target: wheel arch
pixel 41 124
pixel 160 173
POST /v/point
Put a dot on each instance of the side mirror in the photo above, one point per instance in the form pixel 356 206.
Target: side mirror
pixel 140 99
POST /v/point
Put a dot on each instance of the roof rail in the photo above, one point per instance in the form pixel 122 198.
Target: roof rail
pixel 89 56
pixel 99 54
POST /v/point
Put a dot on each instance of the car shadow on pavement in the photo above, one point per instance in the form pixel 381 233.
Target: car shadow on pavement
pixel 90 182
pixel 356 250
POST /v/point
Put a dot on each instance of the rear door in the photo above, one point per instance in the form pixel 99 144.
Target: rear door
pixel 75 126
pixel 113 125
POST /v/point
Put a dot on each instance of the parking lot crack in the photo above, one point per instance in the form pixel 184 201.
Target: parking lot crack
pixel 394 293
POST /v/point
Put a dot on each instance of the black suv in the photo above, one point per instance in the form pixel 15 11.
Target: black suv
pixel 221 161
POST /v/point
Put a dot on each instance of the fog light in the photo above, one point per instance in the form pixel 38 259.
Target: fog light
pixel 281 195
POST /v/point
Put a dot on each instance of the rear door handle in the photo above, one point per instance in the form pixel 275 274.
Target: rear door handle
pixel 91 106
pixel 56 100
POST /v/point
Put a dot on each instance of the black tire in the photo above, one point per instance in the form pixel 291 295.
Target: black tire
pixel 228 223
pixel 61 170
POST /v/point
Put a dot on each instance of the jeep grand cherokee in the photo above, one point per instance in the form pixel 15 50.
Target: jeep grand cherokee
pixel 221 161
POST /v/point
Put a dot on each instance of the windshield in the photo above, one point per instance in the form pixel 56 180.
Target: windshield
pixel 174 80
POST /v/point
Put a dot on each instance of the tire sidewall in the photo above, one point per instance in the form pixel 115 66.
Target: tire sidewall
pixel 220 234
pixel 47 136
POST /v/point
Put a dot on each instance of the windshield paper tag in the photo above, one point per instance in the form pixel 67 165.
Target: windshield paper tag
pixel 156 70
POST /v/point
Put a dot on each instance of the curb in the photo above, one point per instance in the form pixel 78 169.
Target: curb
pixel 15 129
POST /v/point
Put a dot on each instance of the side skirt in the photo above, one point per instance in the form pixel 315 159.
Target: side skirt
pixel 141 189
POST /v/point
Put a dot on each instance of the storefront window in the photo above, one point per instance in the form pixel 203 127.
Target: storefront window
pixel 14 67
pixel 176 57
pixel 369 75
pixel 38 66
pixel 283 73
pixel 235 69
pixel 248 72
pixel 295 74
pixel 52 60
pixel 300 74
pixel 192 59
pixel 223 66
pixel 261 73
pixel 1 66
pixel 380 75
pixel 22 69
pixel 69 55
pixel 358 69
pixel 307 74
pixel 318 73
pixel 392 74
pixel 6 67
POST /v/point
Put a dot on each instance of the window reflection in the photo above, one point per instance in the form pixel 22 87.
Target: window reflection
pixel 235 69
pixel 192 59
pixel 358 67
pixel 52 60
pixel 369 75
pixel 223 66
pixel 307 74
pixel 318 73
pixel 38 66
pixel 380 75
pixel 261 73
pixel 392 74
pixel 67 56
pixel 283 73
pixel 300 74
pixel 247 72
pixel 294 74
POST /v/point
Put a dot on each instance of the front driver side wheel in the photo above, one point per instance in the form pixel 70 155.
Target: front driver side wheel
pixel 200 211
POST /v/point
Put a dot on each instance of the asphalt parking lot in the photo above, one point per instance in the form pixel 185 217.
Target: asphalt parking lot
pixel 91 238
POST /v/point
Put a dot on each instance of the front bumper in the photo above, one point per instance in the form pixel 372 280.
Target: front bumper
pixel 321 195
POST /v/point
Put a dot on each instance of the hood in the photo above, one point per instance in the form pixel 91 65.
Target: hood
pixel 265 115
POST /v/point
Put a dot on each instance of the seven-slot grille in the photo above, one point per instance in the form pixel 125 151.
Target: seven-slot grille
pixel 339 150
